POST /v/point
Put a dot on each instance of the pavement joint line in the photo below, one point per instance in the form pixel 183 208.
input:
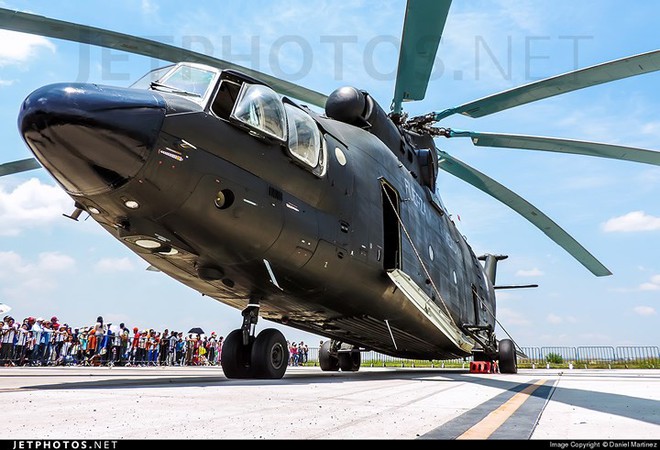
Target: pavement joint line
pixel 545 405
pixel 489 424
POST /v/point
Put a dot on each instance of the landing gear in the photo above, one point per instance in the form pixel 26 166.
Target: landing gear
pixel 327 360
pixel 507 356
pixel 270 355
pixel 244 356
pixel 334 355
pixel 236 357
pixel 350 361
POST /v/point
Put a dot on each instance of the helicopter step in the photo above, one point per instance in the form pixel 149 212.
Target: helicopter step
pixel 245 356
pixel 335 355
pixel 433 312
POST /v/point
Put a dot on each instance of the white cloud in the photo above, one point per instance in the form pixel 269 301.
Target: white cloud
pixel 554 319
pixel 510 317
pixel 644 310
pixel 633 221
pixel 29 205
pixel 22 278
pixel 149 7
pixel 652 285
pixel 114 265
pixel 535 272
pixel 6 82
pixel 55 262
pixel 14 264
pixel 20 48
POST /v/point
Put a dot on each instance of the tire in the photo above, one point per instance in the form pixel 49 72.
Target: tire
pixel 270 355
pixel 327 362
pixel 507 356
pixel 350 361
pixel 236 357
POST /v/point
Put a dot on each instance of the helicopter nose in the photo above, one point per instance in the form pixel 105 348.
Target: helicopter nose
pixel 91 138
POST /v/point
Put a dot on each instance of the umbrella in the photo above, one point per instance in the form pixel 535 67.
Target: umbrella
pixel 4 308
pixel 196 330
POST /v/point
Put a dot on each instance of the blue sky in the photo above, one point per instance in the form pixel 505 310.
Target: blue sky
pixel 53 266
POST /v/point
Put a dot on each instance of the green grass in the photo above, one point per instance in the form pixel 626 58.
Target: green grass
pixel 638 364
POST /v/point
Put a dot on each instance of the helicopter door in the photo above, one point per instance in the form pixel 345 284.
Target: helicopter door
pixel 391 228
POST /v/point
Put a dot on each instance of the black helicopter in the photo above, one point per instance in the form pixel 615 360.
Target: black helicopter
pixel 329 223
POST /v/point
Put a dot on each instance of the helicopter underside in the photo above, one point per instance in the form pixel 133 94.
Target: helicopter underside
pixel 327 315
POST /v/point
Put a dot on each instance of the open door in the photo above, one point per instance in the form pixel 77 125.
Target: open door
pixel 391 228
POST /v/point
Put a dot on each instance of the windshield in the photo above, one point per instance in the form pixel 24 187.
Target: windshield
pixel 261 109
pixel 145 81
pixel 186 80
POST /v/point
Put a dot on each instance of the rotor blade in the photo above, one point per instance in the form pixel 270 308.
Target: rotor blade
pixel 491 187
pixel 560 146
pixel 53 28
pixel 422 30
pixel 18 166
pixel 560 84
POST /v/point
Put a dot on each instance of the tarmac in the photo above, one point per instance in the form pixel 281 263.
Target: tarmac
pixel 374 403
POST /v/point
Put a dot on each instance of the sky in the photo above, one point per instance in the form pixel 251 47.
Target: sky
pixel 50 265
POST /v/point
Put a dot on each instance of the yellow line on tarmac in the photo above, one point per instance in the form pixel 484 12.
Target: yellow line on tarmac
pixel 489 424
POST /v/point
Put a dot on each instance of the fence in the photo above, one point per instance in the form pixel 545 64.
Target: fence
pixel 589 356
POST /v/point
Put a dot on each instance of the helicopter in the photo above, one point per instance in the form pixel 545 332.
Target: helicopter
pixel 220 177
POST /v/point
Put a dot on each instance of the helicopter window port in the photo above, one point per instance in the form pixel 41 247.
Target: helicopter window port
pixel 304 137
pixel 225 99
pixel 260 109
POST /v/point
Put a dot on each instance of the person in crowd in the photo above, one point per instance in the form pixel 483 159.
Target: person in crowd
pixel 115 354
pixel 212 348
pixel 180 349
pixel 46 336
pixel 135 345
pixel 142 348
pixel 293 352
pixel 99 332
pixel 171 351
pixel 22 337
pixel 190 349
pixel 164 347
pixel 220 341
pixel 58 337
pixel 123 343
pixel 36 331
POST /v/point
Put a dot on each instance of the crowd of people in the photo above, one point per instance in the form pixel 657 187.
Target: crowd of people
pixel 42 342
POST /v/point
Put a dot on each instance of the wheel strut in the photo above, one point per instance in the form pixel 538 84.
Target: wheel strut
pixel 250 318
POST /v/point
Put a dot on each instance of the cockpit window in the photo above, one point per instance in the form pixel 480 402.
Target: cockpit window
pixel 304 136
pixel 186 80
pixel 145 81
pixel 261 109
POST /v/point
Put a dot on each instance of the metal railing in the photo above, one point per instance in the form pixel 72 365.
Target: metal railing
pixel 538 357
pixel 647 356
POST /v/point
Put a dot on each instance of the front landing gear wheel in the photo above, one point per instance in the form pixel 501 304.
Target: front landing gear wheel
pixel 237 357
pixel 350 361
pixel 270 355
pixel 507 356
pixel 327 361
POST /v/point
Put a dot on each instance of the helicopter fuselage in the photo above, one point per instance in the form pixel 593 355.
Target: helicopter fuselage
pixel 355 248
